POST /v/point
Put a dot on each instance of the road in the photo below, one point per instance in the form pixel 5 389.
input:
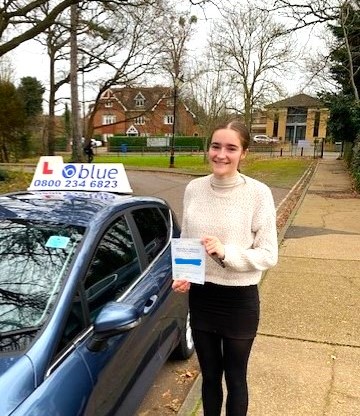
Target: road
pixel 171 186
pixel 174 380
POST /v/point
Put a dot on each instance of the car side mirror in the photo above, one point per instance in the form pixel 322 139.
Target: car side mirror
pixel 115 318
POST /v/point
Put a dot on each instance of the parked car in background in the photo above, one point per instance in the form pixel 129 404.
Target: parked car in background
pixel 93 142
pixel 87 312
pixel 96 143
pixel 262 138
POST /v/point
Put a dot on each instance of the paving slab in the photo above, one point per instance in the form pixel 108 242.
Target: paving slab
pixel 300 378
pixel 302 300
pixel 328 213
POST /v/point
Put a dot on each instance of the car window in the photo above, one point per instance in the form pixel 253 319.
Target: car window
pixel 34 259
pixel 113 268
pixel 153 225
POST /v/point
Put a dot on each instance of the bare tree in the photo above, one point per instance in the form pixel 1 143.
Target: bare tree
pixel 255 51
pixel 306 13
pixel 128 51
pixel 310 13
pixel 77 153
pixel 174 34
pixel 104 37
pixel 346 20
pixel 55 39
pixel 209 95
pixel 6 69
pixel 23 17
pixel 207 88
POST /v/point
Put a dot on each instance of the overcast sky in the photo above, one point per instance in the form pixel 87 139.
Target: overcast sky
pixel 29 59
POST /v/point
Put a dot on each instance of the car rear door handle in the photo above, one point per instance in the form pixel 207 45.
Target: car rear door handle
pixel 150 304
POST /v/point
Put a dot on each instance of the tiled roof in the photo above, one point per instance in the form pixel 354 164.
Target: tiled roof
pixel 300 100
pixel 152 95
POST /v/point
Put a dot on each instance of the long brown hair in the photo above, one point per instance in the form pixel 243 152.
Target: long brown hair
pixel 239 127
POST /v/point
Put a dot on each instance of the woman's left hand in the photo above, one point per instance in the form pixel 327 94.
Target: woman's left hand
pixel 181 286
pixel 214 246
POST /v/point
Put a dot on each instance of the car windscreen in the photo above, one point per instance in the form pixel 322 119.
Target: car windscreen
pixel 34 259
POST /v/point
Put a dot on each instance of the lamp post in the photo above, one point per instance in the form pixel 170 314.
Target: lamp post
pixel 172 147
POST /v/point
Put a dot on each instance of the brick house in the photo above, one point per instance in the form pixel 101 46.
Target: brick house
pixel 142 111
pixel 300 117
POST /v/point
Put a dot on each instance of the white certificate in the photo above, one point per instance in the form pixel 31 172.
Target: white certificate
pixel 188 259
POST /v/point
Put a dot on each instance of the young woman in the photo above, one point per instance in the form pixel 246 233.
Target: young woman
pixel 234 215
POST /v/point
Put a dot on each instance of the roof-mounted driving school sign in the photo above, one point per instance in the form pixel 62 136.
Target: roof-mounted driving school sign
pixel 53 174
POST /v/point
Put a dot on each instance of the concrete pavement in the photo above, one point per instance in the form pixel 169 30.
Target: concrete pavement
pixel 306 357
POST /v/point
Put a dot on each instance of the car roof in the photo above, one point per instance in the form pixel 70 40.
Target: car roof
pixel 66 207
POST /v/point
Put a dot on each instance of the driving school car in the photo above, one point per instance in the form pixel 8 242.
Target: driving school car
pixel 87 313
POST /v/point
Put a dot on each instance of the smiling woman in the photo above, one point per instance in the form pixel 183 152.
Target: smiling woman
pixel 234 217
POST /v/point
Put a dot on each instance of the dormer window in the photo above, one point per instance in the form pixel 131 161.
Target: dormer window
pixel 139 100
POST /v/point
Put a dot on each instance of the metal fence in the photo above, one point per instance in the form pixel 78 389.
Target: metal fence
pixel 162 150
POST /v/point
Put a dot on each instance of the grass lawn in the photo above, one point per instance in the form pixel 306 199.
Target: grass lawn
pixel 17 181
pixel 281 172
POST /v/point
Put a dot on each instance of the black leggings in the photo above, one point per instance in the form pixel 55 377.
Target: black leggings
pixel 218 355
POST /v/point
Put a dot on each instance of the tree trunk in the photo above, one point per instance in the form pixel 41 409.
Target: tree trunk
pixel 50 145
pixel 77 150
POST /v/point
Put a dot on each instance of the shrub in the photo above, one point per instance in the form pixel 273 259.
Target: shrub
pixel 3 175
pixel 355 164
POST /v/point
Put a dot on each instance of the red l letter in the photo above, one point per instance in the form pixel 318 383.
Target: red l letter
pixel 46 170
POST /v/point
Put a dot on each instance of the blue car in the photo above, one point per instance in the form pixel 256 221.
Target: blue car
pixel 87 313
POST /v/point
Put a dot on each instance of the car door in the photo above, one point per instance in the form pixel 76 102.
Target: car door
pixel 156 228
pixel 114 378
pixel 123 370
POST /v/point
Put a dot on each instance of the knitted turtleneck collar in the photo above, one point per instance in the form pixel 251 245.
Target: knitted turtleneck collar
pixel 226 182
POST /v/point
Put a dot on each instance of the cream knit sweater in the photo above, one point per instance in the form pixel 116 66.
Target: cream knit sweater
pixel 242 215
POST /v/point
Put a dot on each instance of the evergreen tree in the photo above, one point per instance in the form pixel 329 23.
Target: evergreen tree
pixel 31 92
pixel 12 121
pixel 345 70
pixel 347 35
pixel 342 124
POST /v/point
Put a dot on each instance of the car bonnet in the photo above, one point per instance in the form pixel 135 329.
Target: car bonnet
pixel 16 381
pixel 77 208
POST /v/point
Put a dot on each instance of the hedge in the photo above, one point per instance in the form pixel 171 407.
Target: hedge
pixel 183 141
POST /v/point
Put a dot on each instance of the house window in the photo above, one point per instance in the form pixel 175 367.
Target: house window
pixel 131 131
pixel 139 100
pixel 276 125
pixel 296 115
pixel 316 124
pixel 109 119
pixel 108 104
pixel 139 121
pixel 170 102
pixel 169 119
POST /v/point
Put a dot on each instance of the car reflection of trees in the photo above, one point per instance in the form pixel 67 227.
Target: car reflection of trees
pixel 30 277
pixel 114 267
